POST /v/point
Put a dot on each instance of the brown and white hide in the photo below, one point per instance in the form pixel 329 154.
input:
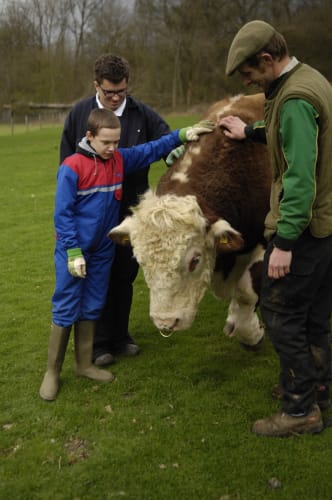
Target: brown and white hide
pixel 204 227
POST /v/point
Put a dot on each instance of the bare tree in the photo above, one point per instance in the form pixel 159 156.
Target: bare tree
pixel 17 52
pixel 50 20
pixel 81 14
pixel 177 49
pixel 108 29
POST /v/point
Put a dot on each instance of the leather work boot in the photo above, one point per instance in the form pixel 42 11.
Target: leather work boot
pixel 282 425
pixel 56 354
pixel 83 341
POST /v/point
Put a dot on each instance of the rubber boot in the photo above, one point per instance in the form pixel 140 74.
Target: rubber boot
pixel 83 336
pixel 56 354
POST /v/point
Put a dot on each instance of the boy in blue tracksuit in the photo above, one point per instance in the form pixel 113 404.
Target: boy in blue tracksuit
pixel 87 203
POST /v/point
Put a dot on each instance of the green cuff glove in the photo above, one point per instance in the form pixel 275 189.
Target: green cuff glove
pixel 193 133
pixel 175 154
pixel 76 263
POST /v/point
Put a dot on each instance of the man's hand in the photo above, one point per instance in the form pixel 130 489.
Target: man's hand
pixel 76 263
pixel 279 263
pixel 233 127
pixel 193 133
pixel 175 154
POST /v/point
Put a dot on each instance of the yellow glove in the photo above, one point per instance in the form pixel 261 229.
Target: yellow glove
pixel 76 263
pixel 174 155
pixel 192 133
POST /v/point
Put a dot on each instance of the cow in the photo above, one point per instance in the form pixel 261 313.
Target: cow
pixel 203 226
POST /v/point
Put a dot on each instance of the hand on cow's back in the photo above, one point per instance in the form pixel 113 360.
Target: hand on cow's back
pixel 233 126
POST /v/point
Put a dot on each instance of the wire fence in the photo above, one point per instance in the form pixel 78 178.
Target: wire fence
pixel 18 123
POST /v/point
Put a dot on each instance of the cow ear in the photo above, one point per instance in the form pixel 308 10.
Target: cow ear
pixel 121 234
pixel 229 242
pixel 226 239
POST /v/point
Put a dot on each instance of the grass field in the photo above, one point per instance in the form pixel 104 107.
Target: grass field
pixel 175 423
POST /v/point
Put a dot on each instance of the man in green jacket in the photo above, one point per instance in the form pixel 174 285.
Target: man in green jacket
pixel 296 296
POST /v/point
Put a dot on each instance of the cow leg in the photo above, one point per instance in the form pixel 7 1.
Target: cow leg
pixel 242 320
pixel 229 328
pixel 245 322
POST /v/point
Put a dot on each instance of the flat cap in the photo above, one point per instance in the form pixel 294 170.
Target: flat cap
pixel 248 41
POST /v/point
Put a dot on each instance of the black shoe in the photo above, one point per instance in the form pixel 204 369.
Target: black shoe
pixel 125 346
pixel 126 350
pixel 104 359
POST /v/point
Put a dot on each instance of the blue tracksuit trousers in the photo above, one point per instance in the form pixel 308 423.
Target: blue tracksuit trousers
pixel 77 299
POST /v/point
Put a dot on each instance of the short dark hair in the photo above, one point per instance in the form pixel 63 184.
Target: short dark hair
pixel 112 68
pixel 277 47
pixel 102 118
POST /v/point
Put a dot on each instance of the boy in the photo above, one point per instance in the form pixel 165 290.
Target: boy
pixel 139 124
pixel 87 202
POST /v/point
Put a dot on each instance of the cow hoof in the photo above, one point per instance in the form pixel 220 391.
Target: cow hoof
pixel 229 329
pixel 253 348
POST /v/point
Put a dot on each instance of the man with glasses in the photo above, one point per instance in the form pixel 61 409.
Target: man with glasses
pixel 139 124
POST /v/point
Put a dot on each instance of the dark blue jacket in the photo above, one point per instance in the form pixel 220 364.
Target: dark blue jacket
pixel 139 124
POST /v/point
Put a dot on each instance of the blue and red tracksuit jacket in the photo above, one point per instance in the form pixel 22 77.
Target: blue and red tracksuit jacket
pixel 87 204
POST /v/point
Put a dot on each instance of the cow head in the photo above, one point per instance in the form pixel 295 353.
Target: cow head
pixel 176 248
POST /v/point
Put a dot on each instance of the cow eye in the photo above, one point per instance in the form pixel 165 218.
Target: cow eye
pixel 194 263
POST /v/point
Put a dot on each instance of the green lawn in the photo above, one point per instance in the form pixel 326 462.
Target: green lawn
pixel 175 423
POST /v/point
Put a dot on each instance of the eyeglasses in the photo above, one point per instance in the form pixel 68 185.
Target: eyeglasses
pixel 113 93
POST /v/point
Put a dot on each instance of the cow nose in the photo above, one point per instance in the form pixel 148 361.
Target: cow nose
pixel 166 325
